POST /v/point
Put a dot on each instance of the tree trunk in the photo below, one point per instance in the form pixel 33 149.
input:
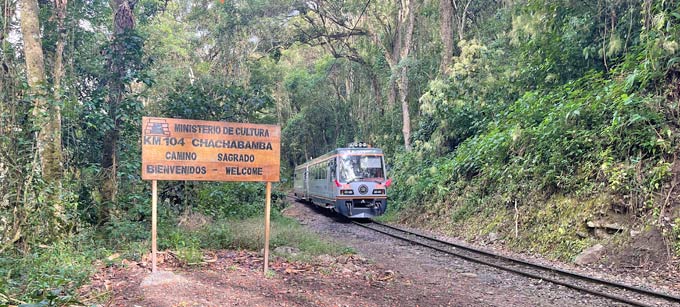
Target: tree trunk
pixel 392 53
pixel 58 72
pixel 461 11
pixel 123 22
pixel 46 118
pixel 446 32
pixel 403 78
pixel 375 84
pixel 60 10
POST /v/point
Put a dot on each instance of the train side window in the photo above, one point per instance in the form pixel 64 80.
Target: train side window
pixel 331 168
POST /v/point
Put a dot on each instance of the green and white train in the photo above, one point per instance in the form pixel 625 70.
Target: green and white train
pixel 351 181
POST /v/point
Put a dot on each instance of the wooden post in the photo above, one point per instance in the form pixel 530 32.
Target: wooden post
pixel 154 220
pixel 267 209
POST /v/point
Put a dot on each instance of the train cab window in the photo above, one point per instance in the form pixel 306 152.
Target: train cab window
pixel 354 167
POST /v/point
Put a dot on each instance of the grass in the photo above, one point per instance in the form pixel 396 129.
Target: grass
pixel 246 234
pixel 49 274
pixel 549 228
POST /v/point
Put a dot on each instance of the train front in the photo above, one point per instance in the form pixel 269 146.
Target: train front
pixel 361 183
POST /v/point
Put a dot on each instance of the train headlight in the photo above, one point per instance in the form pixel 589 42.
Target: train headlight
pixel 347 192
pixel 379 191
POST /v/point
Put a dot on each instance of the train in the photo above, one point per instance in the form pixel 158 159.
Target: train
pixel 351 181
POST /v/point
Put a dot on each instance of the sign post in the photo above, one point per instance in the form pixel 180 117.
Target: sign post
pixel 267 211
pixel 154 222
pixel 182 149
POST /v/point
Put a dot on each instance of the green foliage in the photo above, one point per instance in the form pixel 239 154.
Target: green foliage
pixel 552 229
pixel 246 234
pixel 50 274
pixel 225 103
pixel 231 199
pixel 564 139
pixel 547 121
pixel 187 248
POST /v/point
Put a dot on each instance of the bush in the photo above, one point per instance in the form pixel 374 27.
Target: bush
pixel 245 234
pixel 235 199
pixel 51 274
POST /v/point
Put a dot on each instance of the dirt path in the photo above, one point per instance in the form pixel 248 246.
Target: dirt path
pixel 235 279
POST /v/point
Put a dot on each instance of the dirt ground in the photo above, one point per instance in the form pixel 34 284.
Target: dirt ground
pixel 384 272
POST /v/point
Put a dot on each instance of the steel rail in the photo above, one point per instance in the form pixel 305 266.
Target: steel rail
pixel 640 290
pixel 526 263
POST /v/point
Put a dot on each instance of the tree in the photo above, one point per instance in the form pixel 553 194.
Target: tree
pixel 396 39
pixel 446 32
pixel 58 71
pixel 121 60
pixel 46 115
pixel 408 12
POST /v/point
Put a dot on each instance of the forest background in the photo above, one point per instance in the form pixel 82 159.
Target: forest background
pixel 522 118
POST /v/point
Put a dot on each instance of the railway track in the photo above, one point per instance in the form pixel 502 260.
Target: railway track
pixel 619 292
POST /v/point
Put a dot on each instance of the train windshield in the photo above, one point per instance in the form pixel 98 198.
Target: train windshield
pixel 355 167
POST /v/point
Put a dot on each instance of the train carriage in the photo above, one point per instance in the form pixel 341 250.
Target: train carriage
pixel 351 181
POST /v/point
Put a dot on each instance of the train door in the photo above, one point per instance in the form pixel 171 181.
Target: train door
pixel 307 184
pixel 330 184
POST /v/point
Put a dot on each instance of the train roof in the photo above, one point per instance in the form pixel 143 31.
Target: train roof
pixel 337 151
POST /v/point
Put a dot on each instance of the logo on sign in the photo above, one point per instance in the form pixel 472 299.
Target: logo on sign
pixel 157 127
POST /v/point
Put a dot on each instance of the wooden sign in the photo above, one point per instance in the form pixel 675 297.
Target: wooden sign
pixel 182 149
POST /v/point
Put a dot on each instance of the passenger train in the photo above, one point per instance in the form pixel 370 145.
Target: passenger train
pixel 351 181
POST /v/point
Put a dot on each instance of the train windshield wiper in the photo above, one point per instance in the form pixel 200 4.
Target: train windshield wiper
pixel 355 179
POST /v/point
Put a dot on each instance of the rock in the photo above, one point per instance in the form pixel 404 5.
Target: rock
pixel 359 258
pixel 635 233
pixel 326 259
pixel 287 250
pixel 493 237
pixel 471 275
pixel 590 255
pixel 581 234
pixel 162 278
pixel 601 233
pixel 611 226
pixel 614 226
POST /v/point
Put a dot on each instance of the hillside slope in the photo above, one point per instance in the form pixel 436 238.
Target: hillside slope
pixel 531 143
